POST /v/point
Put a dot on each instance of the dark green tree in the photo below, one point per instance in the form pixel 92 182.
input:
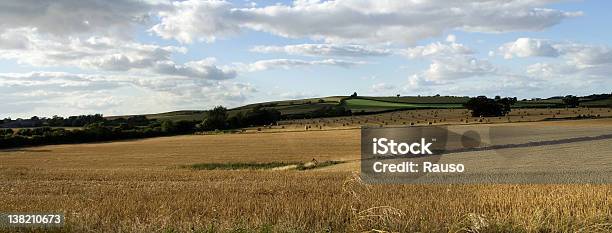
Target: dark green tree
pixel 216 118
pixel 167 126
pixel 482 106
pixel 571 101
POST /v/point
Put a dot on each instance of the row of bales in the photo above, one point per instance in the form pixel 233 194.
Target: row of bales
pixel 434 117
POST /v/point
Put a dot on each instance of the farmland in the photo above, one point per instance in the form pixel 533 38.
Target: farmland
pixel 148 186
pixel 432 117
pixel 376 104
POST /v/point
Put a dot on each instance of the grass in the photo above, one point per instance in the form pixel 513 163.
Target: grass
pixel 422 99
pixel 260 166
pixel 385 105
pixel 374 103
pixel 602 102
pixel 237 166
pixel 307 166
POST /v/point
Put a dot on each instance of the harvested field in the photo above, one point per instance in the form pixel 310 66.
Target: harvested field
pixel 433 117
pixel 140 186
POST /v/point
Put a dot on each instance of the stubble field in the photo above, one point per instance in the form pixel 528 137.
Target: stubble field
pixel 141 186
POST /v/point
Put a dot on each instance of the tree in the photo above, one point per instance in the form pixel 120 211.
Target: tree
pixel 216 119
pixel 137 121
pixel 56 121
pixel 261 116
pixel 482 106
pixel 398 95
pixel 167 126
pixel 354 94
pixel 6 132
pixel 571 101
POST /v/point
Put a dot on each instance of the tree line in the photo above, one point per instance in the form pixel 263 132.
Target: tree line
pixel 218 118
pixel 482 106
pixel 96 128
pixel 94 132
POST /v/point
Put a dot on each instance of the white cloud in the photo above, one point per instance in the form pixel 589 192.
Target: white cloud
pixel 13 39
pixel 528 47
pixel 295 95
pixel 27 45
pixel 292 63
pixel 205 69
pixel 448 70
pixel 358 21
pixel 578 69
pixel 581 60
pixel 449 62
pixel 27 92
pixel 48 93
pixel 383 87
pixel 66 17
pixel 53 82
pixel 323 50
pixel 437 49
pixel 192 20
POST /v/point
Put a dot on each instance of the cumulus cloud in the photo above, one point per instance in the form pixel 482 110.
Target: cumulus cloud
pixel 192 20
pixel 27 45
pixel 45 93
pixel 355 21
pixel 583 60
pixel 442 70
pixel 383 87
pixel 450 61
pixel 437 49
pixel 576 68
pixel 24 93
pixel 324 50
pixel 52 82
pixel 205 69
pixel 64 17
pixel 528 47
pixel 292 63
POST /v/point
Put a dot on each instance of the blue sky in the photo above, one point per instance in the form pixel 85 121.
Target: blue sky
pixel 72 57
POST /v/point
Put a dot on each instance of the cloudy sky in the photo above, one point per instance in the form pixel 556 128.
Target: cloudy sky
pixel 68 57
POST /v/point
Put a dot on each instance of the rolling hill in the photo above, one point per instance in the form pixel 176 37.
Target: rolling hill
pixel 374 104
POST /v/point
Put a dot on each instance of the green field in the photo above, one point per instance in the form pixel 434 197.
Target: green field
pixel 422 99
pixel 371 104
pixel 598 103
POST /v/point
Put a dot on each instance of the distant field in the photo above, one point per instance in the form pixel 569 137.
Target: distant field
pixel 432 117
pixel 142 186
pixel 175 115
pixel 422 99
pixel 602 102
pixel 369 104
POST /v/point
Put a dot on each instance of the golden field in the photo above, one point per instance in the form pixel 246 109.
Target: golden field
pixel 140 186
pixel 431 117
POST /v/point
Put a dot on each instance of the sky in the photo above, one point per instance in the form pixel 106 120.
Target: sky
pixel 118 57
